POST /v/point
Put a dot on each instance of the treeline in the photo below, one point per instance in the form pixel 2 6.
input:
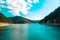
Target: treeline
pixel 53 17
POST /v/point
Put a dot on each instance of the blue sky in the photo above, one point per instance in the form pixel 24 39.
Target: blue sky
pixel 37 11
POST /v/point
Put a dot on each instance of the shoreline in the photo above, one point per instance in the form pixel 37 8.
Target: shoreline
pixel 50 23
pixel 4 24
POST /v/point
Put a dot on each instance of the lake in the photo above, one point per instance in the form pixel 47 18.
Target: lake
pixel 30 32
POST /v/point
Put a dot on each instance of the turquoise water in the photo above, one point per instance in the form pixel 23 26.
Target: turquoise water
pixel 30 32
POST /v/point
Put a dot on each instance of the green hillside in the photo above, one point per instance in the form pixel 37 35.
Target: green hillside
pixel 4 19
pixel 53 17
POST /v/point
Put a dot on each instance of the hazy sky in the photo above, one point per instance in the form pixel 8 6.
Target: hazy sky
pixel 31 9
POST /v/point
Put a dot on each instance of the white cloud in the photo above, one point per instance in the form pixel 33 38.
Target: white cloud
pixel 36 1
pixel 29 1
pixel 33 1
pixel 17 6
pixel 1 1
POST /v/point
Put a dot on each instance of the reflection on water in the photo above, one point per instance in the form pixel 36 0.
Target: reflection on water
pixel 30 32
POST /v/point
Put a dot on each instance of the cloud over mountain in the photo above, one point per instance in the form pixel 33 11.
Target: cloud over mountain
pixel 17 6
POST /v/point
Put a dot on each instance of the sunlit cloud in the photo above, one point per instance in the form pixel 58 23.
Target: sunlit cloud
pixel 33 1
pixel 17 6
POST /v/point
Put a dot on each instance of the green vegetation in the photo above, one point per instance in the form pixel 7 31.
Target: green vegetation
pixel 14 20
pixel 4 19
pixel 19 19
pixel 53 17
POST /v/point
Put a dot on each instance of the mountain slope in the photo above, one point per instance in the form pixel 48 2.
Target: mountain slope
pixel 4 19
pixel 53 17
pixel 19 19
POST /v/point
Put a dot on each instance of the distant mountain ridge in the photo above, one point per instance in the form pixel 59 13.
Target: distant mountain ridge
pixel 53 17
pixel 19 19
pixel 15 19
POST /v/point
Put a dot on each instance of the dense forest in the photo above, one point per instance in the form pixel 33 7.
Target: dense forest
pixel 53 17
pixel 4 19
pixel 19 19
pixel 14 19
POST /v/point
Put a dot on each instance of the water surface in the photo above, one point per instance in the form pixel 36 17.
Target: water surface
pixel 30 32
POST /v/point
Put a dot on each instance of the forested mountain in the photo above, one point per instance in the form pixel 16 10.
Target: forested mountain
pixel 19 19
pixel 4 19
pixel 53 17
